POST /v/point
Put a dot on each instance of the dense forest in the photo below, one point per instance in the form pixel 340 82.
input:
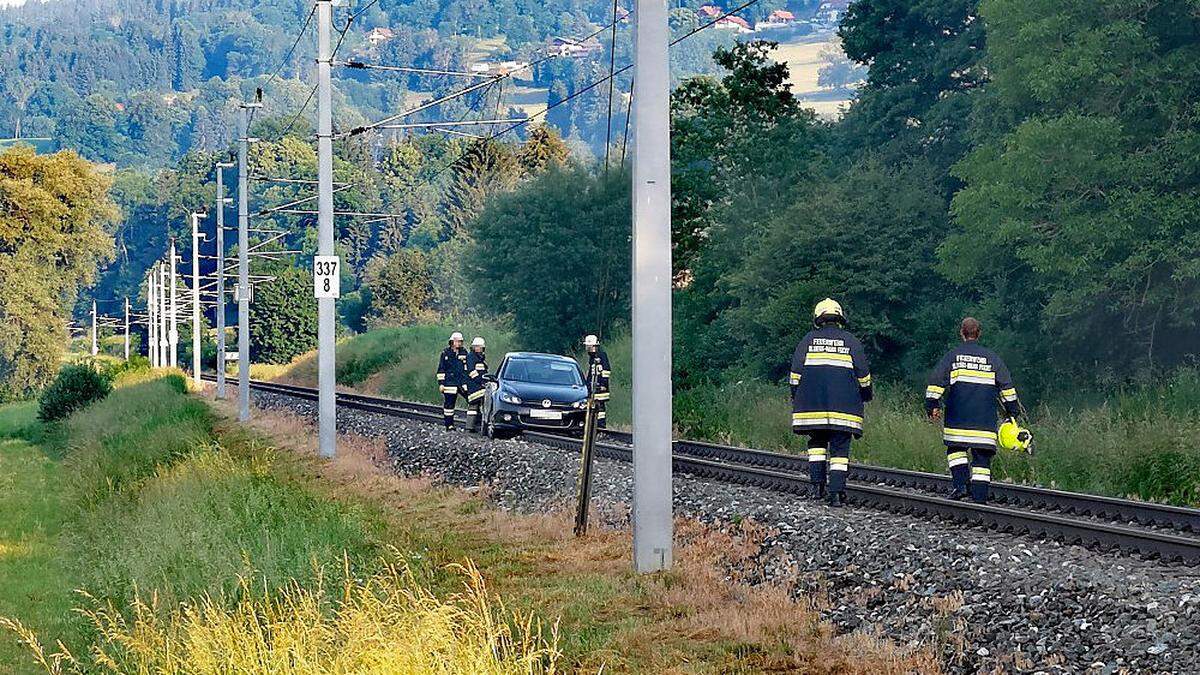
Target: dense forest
pixel 1030 162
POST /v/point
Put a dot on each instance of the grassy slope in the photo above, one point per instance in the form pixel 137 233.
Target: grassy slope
pixel 151 494
pixel 1143 443
pixel 34 581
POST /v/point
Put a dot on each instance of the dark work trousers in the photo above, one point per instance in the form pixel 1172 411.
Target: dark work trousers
pixel 474 408
pixel 601 405
pixel 981 473
pixel 829 455
pixel 958 458
pixel 449 399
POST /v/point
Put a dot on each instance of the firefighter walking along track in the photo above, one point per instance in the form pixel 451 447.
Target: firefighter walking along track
pixel 1170 533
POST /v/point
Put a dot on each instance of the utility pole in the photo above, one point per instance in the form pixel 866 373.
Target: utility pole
pixel 95 346
pixel 196 237
pixel 327 401
pixel 652 514
pixel 151 320
pixel 243 286
pixel 127 328
pixel 221 166
pixel 173 312
pixel 162 314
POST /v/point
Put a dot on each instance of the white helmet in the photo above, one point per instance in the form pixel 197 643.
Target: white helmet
pixel 455 336
pixel 478 342
pixel 591 341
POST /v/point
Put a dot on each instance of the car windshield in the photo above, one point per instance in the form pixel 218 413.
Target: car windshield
pixel 541 371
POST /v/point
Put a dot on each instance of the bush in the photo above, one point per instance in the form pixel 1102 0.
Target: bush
pixel 283 317
pixel 74 388
pixel 400 289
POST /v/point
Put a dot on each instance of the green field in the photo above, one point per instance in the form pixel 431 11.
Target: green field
pixel 1141 442
pixel 149 533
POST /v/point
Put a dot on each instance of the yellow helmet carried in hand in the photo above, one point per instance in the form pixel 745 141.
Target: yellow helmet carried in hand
pixel 1014 437
pixel 828 310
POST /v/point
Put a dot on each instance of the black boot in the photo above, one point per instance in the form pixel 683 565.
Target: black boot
pixel 836 499
pixel 957 494
pixel 817 491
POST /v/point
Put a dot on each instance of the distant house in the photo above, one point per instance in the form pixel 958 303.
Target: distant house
pixel 780 18
pixel 622 15
pixel 502 68
pixel 378 36
pixel 561 46
pixel 735 23
pixel 511 67
pixel 830 12
pixel 710 11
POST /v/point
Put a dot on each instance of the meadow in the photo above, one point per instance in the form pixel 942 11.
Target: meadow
pixel 150 533
pixel 140 538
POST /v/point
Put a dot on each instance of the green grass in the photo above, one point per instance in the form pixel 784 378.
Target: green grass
pixel 35 581
pixel 137 494
pixel 398 362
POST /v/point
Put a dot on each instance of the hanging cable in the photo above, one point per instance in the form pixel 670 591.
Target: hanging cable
pixel 612 64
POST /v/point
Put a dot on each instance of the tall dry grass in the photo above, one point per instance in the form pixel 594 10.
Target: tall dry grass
pixel 386 623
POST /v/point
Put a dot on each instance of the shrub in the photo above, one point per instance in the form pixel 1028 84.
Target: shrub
pixel 74 388
pixel 400 289
pixel 283 317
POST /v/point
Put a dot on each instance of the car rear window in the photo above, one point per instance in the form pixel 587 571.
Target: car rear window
pixel 541 371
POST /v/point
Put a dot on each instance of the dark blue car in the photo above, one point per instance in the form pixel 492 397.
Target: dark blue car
pixel 538 392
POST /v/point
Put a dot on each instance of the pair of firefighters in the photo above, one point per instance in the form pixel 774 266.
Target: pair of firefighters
pixel 831 381
pixel 461 372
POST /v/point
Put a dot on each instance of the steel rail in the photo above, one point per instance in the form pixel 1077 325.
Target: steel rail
pixel 783 473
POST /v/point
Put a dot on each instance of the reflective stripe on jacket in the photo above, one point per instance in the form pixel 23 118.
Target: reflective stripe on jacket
pixel 452 369
pixel 476 369
pixel 969 383
pixel 830 380
pixel 597 370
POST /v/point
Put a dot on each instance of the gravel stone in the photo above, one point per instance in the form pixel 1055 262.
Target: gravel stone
pixel 984 600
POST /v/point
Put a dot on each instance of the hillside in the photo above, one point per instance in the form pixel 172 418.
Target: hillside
pixel 140 82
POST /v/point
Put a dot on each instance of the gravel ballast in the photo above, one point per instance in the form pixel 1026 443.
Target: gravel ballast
pixel 988 600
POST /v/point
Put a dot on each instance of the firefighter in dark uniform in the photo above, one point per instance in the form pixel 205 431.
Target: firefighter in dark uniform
pixel 598 375
pixel 968 383
pixel 451 376
pixel 476 369
pixel 830 381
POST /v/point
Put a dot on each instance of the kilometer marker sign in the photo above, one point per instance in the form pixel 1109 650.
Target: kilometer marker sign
pixel 327 276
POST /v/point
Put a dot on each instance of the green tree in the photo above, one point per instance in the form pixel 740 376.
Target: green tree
pixel 740 139
pixel 283 316
pixel 1082 203
pixel 399 289
pixel 486 168
pixel 923 70
pixel 54 214
pixel 557 280
pixel 544 148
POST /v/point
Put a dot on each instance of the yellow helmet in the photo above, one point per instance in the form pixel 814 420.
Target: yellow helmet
pixel 1014 437
pixel 828 309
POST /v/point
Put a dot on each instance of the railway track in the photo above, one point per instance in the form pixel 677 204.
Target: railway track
pixel 1105 523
